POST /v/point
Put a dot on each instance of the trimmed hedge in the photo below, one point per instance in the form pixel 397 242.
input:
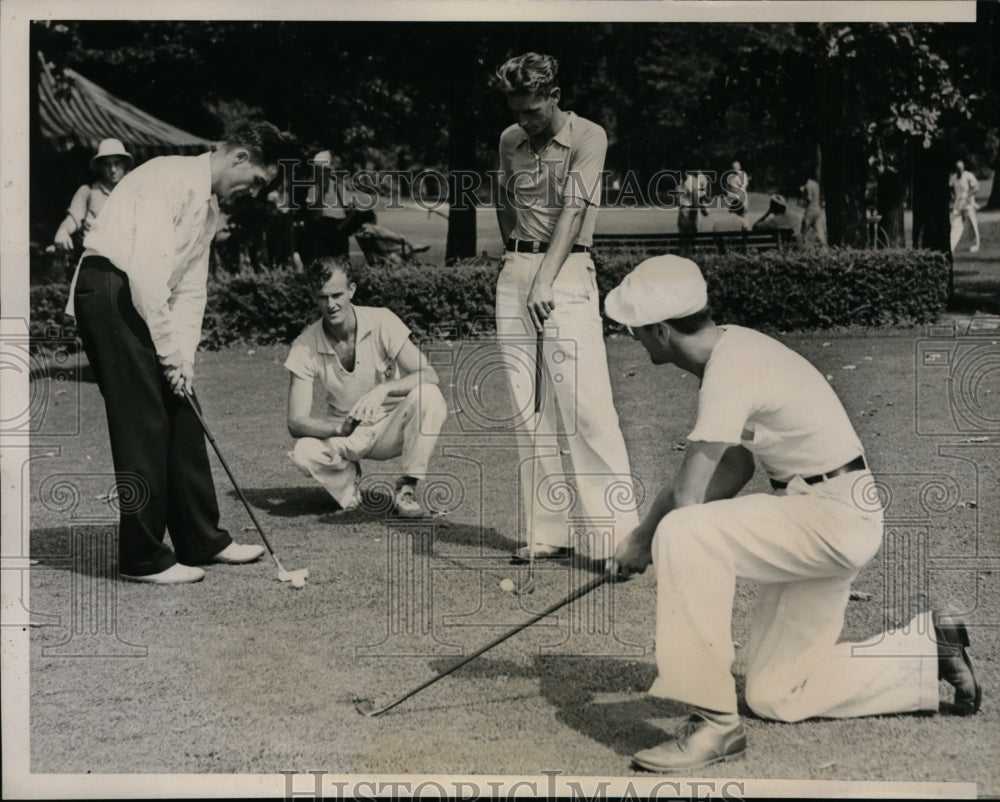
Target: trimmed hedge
pixel 776 290
pixel 805 289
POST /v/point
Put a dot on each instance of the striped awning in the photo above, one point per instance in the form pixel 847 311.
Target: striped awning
pixel 75 112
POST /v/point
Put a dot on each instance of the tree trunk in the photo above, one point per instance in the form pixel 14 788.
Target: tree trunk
pixel 931 218
pixel 931 224
pixel 891 195
pixel 844 165
pixel 461 243
pixel 994 201
pixel 844 178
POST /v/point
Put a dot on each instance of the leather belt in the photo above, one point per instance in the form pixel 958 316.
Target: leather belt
pixel 856 464
pixel 534 246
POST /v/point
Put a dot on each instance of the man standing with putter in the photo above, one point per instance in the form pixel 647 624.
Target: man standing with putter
pixel 138 297
pixel 549 188
pixel 803 545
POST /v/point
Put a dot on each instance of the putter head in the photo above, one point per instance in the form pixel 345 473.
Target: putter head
pixel 366 707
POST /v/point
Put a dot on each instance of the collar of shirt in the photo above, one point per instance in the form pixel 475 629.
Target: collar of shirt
pixel 564 136
pixel 364 329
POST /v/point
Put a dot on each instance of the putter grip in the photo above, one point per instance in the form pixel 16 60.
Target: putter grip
pixel 539 340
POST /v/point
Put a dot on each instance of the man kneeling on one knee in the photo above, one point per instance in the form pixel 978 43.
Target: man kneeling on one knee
pixel 382 395
pixel 803 544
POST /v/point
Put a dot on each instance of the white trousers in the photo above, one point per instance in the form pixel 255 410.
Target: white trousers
pixel 574 378
pixel 958 218
pixel 804 547
pixel 410 430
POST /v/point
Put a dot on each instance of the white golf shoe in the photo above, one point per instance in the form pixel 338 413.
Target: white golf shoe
pixel 176 574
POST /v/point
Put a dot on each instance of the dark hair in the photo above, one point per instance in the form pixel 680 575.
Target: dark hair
pixel 691 324
pixel 530 74
pixel 321 270
pixel 264 141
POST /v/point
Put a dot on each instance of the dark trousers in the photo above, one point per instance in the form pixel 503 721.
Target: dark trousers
pixel 158 446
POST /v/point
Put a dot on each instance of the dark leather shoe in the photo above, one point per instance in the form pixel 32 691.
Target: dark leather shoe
pixel 524 554
pixel 954 663
pixel 698 743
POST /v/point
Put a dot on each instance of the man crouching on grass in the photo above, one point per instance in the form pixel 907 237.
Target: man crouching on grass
pixel 382 395
pixel 803 544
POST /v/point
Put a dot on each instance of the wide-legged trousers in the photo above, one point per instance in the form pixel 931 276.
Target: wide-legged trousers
pixel 804 547
pixel 161 462
pixel 575 378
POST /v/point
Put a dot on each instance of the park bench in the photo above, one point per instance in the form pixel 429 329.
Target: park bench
pixel 702 241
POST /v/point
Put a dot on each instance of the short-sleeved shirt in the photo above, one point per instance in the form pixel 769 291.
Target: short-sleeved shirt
pixel 963 190
pixel 810 190
pixel 570 167
pixel 380 337
pixel 761 394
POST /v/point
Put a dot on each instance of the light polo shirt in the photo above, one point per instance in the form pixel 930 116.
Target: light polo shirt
pixel 156 227
pixel 569 167
pixel 760 393
pixel 380 337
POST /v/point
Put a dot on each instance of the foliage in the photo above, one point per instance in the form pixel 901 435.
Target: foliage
pixel 275 305
pixel 808 289
pixel 777 290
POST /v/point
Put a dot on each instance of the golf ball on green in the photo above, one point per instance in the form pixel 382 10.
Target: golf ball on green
pixel 507 585
pixel 298 582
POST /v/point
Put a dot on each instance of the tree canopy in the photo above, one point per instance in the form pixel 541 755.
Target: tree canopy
pixel 410 96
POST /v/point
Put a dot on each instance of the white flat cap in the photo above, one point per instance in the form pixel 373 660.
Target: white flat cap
pixel 659 288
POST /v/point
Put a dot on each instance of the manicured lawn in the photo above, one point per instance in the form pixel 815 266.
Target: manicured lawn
pixel 241 673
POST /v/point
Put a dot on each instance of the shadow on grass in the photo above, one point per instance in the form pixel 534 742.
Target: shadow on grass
pixel 287 502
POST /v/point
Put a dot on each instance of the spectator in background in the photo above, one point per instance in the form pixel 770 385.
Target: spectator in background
pixel 111 163
pixel 736 184
pixel 964 187
pixel 324 232
pixel 693 197
pixel 380 245
pixel 813 229
pixel 776 216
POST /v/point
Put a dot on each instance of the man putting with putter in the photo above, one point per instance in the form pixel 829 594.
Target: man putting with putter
pixel 138 297
pixel 382 395
pixel 549 188
pixel 804 544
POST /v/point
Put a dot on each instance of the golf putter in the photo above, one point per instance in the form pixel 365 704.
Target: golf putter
pixel 528 587
pixel 366 707
pixel 297 577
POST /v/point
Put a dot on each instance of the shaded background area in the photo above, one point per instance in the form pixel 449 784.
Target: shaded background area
pixel 789 101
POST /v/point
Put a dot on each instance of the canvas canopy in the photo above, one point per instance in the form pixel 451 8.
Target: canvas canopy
pixel 76 112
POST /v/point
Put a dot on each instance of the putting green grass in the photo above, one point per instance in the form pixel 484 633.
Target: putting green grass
pixel 240 673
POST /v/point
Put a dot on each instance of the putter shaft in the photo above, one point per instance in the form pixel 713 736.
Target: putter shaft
pixel 366 707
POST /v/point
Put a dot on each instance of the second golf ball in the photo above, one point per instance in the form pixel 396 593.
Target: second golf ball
pixel 507 585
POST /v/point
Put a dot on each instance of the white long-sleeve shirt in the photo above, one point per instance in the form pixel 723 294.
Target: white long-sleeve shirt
pixel 156 227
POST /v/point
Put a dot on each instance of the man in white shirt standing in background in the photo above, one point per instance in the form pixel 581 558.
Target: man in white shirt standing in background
pixel 138 298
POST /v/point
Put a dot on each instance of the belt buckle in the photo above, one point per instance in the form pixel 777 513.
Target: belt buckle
pixel 535 245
